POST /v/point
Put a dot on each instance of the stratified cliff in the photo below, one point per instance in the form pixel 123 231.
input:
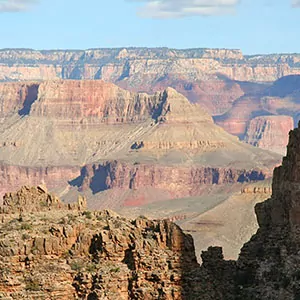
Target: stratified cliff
pixel 215 78
pixel 159 141
pixel 129 63
pixel 270 132
pixel 222 81
pixel 264 118
pixel 50 250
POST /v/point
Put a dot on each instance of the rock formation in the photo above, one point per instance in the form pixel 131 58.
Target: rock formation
pixel 119 64
pixel 51 251
pixel 268 265
pixel 265 117
pixel 222 81
pixel 270 132
pixel 93 123
pixel 213 77
pixel 92 255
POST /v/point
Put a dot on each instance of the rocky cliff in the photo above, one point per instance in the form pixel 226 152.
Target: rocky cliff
pixel 65 252
pixel 268 265
pixel 264 118
pixel 93 122
pixel 118 178
pixel 270 132
pixel 126 63
pixel 92 255
pixel 213 77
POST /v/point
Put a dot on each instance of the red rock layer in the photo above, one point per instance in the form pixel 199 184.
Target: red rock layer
pixel 12 177
pixel 177 181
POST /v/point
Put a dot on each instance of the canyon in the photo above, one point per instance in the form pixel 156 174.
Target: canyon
pixel 92 136
pixel 89 255
pixel 232 87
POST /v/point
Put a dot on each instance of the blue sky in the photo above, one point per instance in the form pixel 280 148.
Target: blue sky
pixel 254 26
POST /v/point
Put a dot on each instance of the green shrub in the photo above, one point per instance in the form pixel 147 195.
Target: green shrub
pixel 32 285
pixel 26 226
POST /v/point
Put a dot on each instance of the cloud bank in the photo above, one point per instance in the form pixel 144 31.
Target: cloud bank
pixel 16 5
pixel 184 8
pixel 168 9
pixel 296 3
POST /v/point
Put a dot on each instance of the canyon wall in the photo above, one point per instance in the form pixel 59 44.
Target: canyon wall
pixel 118 64
pixel 270 132
pixel 59 252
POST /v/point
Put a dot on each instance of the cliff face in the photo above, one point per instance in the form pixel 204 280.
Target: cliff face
pixel 268 265
pixel 118 64
pixel 271 268
pixel 12 177
pixel 182 181
pixel 91 255
pixel 264 118
pixel 94 122
pixel 215 78
pixel 63 252
pixel 270 132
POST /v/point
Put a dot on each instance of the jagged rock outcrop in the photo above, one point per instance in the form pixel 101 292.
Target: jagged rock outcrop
pixel 268 265
pixel 36 199
pixel 270 132
pixel 67 254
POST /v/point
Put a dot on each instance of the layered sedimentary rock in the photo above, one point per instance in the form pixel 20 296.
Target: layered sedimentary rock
pixel 63 253
pixel 275 109
pixel 118 64
pixel 213 77
pixel 169 182
pixel 78 251
pixel 12 177
pixel 270 132
pixel 50 134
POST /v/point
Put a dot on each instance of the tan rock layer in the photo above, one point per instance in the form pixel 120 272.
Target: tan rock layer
pixel 64 254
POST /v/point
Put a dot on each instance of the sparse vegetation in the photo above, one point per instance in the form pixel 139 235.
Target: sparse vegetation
pixel 91 268
pixel 32 285
pixel 76 266
pixel 25 236
pixel 114 270
pixel 26 226
pixel 87 214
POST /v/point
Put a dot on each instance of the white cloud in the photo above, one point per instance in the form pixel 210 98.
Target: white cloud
pixel 183 8
pixel 15 5
pixel 296 3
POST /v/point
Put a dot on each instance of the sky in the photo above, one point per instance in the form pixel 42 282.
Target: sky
pixel 254 26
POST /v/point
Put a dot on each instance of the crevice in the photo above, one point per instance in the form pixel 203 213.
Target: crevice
pixel 31 97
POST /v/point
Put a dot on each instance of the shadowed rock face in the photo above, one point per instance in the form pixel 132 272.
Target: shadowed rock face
pixel 268 265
